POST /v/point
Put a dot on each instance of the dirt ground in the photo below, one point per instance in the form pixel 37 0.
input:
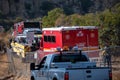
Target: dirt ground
pixel 21 71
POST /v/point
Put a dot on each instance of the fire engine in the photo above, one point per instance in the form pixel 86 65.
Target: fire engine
pixel 26 37
pixel 84 37
pixel 20 27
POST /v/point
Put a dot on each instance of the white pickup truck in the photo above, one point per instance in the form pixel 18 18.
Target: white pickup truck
pixel 68 66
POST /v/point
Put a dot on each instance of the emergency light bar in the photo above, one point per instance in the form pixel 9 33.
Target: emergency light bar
pixel 58 49
pixel 75 48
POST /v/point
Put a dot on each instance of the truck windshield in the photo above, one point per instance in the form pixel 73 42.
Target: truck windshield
pixel 69 58
pixel 36 31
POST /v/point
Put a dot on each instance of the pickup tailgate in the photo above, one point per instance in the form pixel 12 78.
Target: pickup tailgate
pixel 88 74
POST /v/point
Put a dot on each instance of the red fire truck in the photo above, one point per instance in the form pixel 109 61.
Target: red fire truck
pixel 26 37
pixel 84 37
pixel 21 26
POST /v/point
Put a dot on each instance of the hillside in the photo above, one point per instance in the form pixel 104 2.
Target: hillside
pixel 39 8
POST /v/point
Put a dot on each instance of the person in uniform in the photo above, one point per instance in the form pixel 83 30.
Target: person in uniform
pixel 106 56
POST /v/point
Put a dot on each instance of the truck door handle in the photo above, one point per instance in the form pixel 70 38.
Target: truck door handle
pixel 42 73
pixel 89 76
pixel 88 71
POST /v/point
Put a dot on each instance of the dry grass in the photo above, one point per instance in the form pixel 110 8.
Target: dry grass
pixel 4 37
pixel 3 65
pixel 116 75
pixel 22 69
pixel 116 68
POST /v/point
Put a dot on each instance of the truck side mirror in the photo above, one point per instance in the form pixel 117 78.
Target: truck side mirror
pixel 46 66
pixel 32 66
pixel 53 65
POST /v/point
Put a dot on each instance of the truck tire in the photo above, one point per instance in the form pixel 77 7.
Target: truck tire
pixel 32 78
pixel 54 78
pixel 32 66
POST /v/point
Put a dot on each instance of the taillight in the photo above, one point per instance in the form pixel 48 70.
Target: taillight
pixel 110 75
pixel 66 76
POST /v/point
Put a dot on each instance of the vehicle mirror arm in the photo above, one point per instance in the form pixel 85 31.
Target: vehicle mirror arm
pixel 46 66
pixel 80 52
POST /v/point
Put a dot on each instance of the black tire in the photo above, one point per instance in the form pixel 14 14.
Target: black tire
pixel 54 78
pixel 32 78
pixel 32 66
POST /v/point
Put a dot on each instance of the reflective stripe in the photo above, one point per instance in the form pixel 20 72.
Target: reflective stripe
pixel 20 49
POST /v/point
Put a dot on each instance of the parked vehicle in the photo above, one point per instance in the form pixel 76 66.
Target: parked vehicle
pixel 84 37
pixel 68 66
pixel 21 26
pixel 26 38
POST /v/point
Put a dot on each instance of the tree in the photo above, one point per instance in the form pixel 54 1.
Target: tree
pixel 60 20
pixel 0 14
pixel 110 30
pixel 91 19
pixel 18 19
pixel 53 15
